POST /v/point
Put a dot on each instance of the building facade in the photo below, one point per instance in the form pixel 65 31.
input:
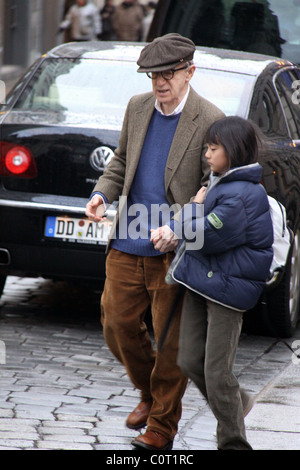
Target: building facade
pixel 28 28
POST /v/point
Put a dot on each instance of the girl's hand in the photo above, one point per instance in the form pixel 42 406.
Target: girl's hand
pixel 200 196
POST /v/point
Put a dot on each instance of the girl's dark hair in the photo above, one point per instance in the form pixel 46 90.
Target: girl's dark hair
pixel 240 138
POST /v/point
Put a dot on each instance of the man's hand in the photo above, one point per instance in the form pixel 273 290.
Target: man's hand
pixel 95 209
pixel 164 239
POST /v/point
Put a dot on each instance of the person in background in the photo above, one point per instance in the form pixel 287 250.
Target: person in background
pixel 127 20
pixel 83 21
pixel 150 10
pixel 106 14
pixel 67 5
pixel 159 163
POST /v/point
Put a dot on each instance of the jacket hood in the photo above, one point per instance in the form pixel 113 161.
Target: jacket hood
pixel 251 173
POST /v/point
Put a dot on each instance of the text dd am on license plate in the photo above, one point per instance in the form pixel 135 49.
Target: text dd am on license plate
pixel 80 230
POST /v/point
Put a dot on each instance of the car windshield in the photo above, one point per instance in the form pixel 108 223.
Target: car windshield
pixel 93 93
pixel 83 91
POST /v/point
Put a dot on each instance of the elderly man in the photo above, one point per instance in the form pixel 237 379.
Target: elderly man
pixel 159 163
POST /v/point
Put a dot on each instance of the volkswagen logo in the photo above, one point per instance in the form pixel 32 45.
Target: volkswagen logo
pixel 100 158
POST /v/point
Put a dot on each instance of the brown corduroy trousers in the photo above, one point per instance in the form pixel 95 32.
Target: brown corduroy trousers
pixel 133 283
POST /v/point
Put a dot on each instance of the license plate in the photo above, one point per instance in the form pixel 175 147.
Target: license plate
pixel 69 229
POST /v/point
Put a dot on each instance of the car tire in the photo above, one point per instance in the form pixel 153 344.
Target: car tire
pixel 284 299
pixel 2 284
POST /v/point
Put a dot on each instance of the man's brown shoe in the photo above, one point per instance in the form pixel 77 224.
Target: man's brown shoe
pixel 152 440
pixel 138 417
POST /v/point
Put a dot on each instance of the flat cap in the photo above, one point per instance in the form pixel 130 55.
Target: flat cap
pixel 165 52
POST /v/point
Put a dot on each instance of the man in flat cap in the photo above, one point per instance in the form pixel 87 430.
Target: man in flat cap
pixel 159 163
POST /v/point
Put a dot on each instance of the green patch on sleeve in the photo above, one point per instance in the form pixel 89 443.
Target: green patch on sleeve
pixel 214 220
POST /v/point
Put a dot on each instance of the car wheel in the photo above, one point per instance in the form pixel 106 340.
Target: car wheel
pixel 2 284
pixel 283 300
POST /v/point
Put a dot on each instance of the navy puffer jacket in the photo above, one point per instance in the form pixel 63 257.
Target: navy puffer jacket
pixel 232 266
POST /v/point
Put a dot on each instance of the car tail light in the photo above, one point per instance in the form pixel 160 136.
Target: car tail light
pixel 16 160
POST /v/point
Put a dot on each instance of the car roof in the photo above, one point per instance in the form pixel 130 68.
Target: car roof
pixel 205 57
pixel 98 50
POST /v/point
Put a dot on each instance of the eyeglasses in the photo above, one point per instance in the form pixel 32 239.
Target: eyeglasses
pixel 167 74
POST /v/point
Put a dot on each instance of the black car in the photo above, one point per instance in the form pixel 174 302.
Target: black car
pixel 61 124
pixel 58 131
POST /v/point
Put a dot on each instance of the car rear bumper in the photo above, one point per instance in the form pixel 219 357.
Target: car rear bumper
pixel 26 251
pixel 52 262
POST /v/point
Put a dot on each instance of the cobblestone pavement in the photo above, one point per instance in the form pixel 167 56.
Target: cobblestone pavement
pixel 60 387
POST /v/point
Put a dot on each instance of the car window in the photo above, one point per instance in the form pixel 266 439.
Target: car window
pixel 262 26
pixel 266 111
pixel 231 92
pixel 295 97
pixel 84 89
pixel 285 87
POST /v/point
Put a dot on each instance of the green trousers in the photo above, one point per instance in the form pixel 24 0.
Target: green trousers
pixel 209 336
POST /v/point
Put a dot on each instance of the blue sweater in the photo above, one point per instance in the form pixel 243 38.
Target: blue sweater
pixel 147 205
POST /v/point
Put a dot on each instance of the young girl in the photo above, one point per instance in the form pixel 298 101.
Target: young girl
pixel 226 276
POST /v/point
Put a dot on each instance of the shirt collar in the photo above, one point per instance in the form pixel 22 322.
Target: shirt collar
pixel 176 110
